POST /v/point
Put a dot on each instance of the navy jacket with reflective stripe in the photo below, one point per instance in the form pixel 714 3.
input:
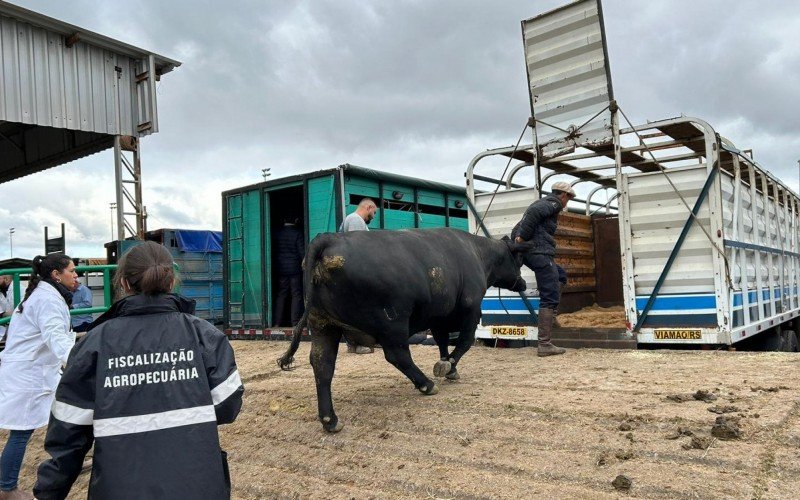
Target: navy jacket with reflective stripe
pixel 148 385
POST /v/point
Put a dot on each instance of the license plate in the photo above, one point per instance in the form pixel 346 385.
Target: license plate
pixel 517 331
pixel 678 334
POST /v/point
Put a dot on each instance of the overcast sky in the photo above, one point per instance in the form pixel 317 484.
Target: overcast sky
pixel 412 87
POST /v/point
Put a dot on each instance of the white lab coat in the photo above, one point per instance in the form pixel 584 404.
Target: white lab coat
pixel 39 341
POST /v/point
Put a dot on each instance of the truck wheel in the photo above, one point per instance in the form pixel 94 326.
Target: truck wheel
pixel 769 341
pixel 789 341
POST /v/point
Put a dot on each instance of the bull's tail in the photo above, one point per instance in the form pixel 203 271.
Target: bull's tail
pixel 313 254
pixel 285 361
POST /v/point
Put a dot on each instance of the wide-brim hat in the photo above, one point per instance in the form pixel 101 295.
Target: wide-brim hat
pixel 564 187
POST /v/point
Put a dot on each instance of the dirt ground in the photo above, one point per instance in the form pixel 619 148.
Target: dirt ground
pixel 517 426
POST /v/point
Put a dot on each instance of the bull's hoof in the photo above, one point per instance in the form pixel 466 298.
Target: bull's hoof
pixel 285 364
pixel 332 427
pixel 452 374
pixel 442 368
pixel 429 389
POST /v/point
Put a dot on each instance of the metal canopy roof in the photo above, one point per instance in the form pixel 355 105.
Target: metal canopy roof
pixel 66 92
pixel 163 64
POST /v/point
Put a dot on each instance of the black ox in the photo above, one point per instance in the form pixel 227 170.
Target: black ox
pixel 383 286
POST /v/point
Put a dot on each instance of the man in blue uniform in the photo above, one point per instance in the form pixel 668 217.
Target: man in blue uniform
pixel 81 299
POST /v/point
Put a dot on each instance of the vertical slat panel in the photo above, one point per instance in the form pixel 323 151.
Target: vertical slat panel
pixel 71 92
pixel 84 96
pixel 252 236
pixel 125 93
pixel 31 44
pixel 55 79
pixel 110 96
pixel 44 82
pixel 321 206
pixel 97 63
pixel 3 44
pixel 10 72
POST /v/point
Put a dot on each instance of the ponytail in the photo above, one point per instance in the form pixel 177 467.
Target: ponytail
pixel 43 266
pixel 147 269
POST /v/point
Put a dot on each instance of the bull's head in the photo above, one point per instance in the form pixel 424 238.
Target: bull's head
pixel 507 273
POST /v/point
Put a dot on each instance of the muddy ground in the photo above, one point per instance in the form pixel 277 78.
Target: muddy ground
pixel 517 426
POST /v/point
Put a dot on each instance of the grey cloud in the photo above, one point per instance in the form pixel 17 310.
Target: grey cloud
pixel 417 87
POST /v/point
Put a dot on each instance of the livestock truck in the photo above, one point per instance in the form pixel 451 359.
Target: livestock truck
pixel 688 233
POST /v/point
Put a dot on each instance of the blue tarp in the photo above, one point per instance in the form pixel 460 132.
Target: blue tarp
pixel 199 241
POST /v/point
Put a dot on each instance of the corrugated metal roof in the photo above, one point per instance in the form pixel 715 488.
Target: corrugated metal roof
pixel 568 75
pixel 163 64
pixel 58 75
pixel 65 92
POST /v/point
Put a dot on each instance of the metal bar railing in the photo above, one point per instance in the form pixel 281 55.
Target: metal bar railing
pixel 16 273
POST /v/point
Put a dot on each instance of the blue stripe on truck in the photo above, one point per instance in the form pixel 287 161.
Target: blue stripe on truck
pixel 679 302
pixel 664 302
pixel 510 303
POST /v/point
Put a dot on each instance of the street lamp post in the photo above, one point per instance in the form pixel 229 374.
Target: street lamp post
pixel 112 206
pixel 11 240
pixel 265 172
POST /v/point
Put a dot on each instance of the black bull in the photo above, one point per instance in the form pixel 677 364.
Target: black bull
pixel 383 286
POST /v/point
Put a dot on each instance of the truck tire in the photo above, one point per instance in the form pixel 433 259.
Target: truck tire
pixel 789 341
pixel 769 341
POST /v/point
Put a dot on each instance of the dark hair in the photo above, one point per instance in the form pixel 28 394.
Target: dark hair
pixel 148 269
pixel 43 266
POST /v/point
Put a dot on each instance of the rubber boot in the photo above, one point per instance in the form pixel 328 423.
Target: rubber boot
pixel 546 347
pixel 15 494
pixel 556 324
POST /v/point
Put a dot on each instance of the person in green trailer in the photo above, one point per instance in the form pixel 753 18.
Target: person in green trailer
pixel 359 221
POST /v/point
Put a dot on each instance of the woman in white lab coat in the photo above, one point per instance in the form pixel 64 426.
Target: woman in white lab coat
pixel 38 342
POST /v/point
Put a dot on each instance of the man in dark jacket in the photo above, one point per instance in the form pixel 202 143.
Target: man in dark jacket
pixel 538 227
pixel 148 384
pixel 290 249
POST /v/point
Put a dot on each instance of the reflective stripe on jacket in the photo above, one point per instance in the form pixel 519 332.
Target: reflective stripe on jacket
pixel 149 385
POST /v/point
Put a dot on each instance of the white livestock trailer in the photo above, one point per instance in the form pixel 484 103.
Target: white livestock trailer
pixel 706 249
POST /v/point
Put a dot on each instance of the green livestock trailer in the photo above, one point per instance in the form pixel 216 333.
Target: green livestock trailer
pixel 320 200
